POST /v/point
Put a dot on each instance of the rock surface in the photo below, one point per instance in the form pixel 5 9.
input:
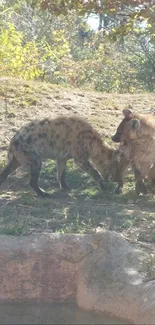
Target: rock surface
pixel 100 272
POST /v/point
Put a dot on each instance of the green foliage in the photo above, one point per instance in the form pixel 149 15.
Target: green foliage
pixel 83 6
pixel 63 49
pixel 16 58
pixel 25 60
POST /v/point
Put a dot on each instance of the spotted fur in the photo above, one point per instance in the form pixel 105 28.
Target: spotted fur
pixel 136 132
pixel 60 139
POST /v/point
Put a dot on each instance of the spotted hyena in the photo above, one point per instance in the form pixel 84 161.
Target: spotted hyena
pixel 138 146
pixel 60 139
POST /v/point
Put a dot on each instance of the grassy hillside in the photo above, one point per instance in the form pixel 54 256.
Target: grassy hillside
pixel 84 208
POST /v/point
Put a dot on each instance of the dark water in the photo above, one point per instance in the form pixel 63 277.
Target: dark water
pixel 37 313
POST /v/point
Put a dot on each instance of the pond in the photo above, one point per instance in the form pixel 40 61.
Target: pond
pixel 40 313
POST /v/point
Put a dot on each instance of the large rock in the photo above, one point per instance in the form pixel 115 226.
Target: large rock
pixel 100 272
pixel 109 281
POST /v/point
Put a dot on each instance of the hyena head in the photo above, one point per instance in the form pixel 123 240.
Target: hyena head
pixel 128 115
pixel 131 131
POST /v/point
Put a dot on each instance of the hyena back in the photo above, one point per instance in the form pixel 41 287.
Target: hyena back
pixel 60 139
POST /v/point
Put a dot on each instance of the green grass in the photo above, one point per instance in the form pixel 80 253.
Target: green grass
pixel 83 209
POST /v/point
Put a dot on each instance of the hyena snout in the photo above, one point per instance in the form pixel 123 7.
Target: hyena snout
pixel 116 137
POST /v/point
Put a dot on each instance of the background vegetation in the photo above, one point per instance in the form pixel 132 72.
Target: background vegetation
pixel 52 41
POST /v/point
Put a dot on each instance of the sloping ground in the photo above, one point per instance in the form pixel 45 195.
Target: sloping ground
pixel 84 208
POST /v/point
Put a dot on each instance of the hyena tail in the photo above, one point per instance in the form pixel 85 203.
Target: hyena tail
pixel 12 165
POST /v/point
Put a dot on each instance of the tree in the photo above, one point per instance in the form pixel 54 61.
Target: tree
pixel 16 58
pixel 126 11
pixel 60 48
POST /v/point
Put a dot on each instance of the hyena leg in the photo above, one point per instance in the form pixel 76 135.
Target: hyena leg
pixel 140 185
pixel 35 167
pixel 120 175
pixel 151 174
pixel 89 169
pixel 61 173
pixel 11 166
pixel 120 183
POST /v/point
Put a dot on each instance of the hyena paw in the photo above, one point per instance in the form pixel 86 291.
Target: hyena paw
pixel 101 185
pixel 45 195
pixel 118 190
pixel 64 188
pixel 141 188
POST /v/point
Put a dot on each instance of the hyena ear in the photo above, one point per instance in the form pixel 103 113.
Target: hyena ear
pixel 128 114
pixel 135 124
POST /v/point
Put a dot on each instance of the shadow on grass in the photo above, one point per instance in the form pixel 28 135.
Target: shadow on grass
pixel 83 209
